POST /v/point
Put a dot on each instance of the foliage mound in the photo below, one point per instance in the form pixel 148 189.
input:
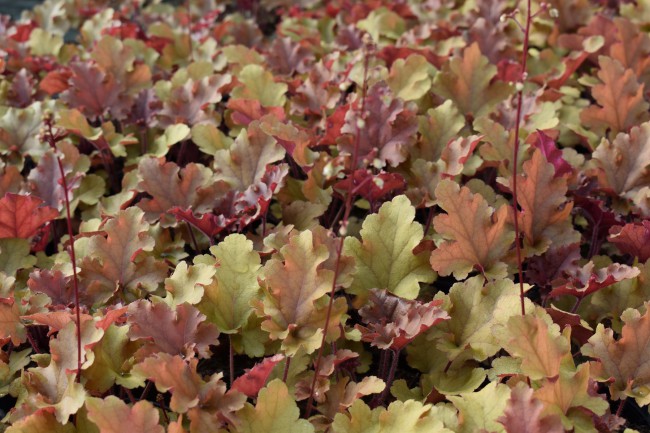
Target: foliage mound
pixel 277 216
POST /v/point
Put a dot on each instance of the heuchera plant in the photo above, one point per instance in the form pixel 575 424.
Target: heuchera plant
pixel 275 216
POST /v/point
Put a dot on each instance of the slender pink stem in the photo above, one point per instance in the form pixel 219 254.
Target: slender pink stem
pixel 520 97
pixel 75 281
pixel 348 208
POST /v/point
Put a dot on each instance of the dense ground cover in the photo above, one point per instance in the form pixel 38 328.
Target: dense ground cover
pixel 278 216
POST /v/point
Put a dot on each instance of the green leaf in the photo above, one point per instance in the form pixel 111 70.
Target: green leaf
pixel 210 139
pixel 259 84
pixel 187 283
pixel 481 410
pixel 400 417
pixel 275 412
pixel 410 78
pixel 172 135
pixel 227 300
pixel 384 256
pixel 383 22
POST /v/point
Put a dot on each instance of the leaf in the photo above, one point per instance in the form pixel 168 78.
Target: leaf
pixel 620 98
pixel 19 131
pixel 467 81
pixel 632 239
pixel 387 132
pixel 481 410
pixel 210 139
pixel 437 128
pixel 478 236
pixel 384 257
pixel 111 416
pixel 569 397
pixel 22 215
pixel 537 341
pixel 245 162
pixel 227 300
pixel 173 134
pixel 523 413
pixel 178 331
pixel 119 261
pixel 545 212
pixel 624 160
pixel 294 281
pixel 476 308
pixel 410 78
pixel 187 284
pixel 585 281
pixel 400 417
pixel 169 186
pixel 259 84
pixel 394 322
pixel 186 104
pixel 254 379
pixel 275 412
pixel 94 92
pixel 41 422
pixel 552 154
pixel 11 327
pixel 383 22
pixel 624 360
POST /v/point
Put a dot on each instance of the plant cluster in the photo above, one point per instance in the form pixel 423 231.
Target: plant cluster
pixel 325 216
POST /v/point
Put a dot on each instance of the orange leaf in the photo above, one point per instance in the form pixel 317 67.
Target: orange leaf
pixel 620 98
pixel 22 215
pixel 479 237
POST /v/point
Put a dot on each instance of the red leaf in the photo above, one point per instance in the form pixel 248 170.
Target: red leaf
pixel 633 239
pixel 55 82
pixel 585 281
pixel 254 379
pixel 22 215
pixel 553 155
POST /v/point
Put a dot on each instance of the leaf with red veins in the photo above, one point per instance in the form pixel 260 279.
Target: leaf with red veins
pixel 244 111
pixel 20 92
pixel 623 161
pixel 296 141
pixel 544 211
pixel 621 104
pixel 585 280
pixel 95 93
pixel 478 236
pixel 373 187
pixel 54 284
pixel 524 413
pixel 624 360
pixel 600 218
pixel 552 154
pixel 467 80
pixel 388 133
pixel 119 60
pixel 189 391
pixel 255 200
pixel 457 152
pixel 187 103
pixel 318 92
pixel 245 162
pixel 286 56
pixel 295 284
pixel 45 180
pixel 111 415
pixel 254 379
pixel 11 327
pixel 171 186
pixel 394 322
pixel 180 331
pixel 120 262
pixel 632 239
pixel 22 215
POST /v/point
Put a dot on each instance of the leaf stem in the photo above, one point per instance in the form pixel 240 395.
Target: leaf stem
pixel 231 359
pixel 339 250
pixel 285 374
pixel 520 97
pixel 52 139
